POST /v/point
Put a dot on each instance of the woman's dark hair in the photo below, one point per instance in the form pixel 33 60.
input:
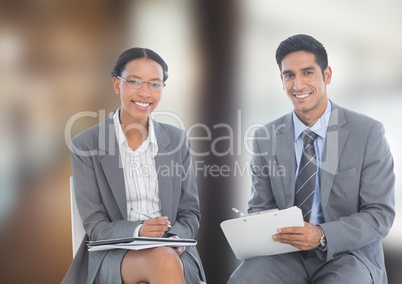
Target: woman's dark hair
pixel 302 43
pixel 137 53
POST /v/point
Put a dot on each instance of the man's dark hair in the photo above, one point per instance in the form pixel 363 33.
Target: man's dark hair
pixel 302 43
pixel 136 53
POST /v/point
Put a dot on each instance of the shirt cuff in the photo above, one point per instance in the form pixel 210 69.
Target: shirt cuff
pixel 136 233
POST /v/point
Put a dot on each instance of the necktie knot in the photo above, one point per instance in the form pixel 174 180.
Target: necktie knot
pixel 309 136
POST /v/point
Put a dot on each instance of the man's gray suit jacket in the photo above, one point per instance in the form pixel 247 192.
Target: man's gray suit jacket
pixel 357 183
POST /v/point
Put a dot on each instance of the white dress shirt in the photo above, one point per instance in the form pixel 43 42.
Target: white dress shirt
pixel 142 190
pixel 320 128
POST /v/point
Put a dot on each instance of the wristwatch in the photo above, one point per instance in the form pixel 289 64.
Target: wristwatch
pixel 323 240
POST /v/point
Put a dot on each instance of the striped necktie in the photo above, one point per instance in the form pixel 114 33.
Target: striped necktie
pixel 306 178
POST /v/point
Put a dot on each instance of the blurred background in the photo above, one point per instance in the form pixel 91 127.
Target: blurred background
pixel 55 63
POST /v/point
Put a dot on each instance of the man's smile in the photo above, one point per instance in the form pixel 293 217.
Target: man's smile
pixel 302 96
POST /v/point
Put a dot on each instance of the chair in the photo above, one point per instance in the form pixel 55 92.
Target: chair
pixel 77 229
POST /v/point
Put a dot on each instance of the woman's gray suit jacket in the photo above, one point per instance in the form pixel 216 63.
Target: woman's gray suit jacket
pixel 101 194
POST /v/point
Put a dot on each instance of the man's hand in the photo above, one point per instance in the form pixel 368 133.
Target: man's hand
pixel 155 227
pixel 304 238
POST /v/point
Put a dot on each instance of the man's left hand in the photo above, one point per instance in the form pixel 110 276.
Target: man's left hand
pixel 304 238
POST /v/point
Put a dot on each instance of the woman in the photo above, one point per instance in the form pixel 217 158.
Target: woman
pixel 128 169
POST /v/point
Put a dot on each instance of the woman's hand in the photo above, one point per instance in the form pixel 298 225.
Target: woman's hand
pixel 155 227
pixel 179 250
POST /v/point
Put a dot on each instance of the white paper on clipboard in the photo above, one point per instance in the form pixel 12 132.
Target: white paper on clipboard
pixel 251 235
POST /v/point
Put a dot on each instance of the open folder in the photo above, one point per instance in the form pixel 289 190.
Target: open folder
pixel 138 243
pixel 251 235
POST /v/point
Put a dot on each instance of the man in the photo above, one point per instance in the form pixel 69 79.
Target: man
pixel 338 171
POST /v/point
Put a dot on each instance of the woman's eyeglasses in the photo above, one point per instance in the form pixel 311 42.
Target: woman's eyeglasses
pixel 137 84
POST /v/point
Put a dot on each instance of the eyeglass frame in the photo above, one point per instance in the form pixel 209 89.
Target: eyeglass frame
pixel 129 82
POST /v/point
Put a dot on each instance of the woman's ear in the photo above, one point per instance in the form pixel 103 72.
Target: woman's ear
pixel 116 85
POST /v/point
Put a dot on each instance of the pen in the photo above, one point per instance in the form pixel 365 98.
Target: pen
pixel 238 211
pixel 151 217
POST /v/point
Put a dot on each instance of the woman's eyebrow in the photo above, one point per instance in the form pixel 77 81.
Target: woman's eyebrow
pixel 137 77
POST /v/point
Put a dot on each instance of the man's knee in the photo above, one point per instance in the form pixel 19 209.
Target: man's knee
pixel 238 276
pixel 237 279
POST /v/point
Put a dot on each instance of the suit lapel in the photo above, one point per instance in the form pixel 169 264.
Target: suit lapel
pixel 112 166
pixel 165 170
pixel 285 155
pixel 334 143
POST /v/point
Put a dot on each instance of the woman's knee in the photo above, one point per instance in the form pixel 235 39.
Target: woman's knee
pixel 166 258
pixel 147 265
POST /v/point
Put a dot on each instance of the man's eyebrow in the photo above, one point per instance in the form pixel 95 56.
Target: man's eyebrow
pixel 285 72
pixel 309 68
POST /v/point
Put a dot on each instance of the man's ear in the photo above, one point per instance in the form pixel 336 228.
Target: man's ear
pixel 283 85
pixel 327 75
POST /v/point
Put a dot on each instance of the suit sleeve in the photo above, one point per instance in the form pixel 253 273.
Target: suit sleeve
pixel 262 197
pixel 187 220
pixel 98 223
pixel 376 200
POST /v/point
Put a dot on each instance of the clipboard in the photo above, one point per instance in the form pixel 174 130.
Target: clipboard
pixel 251 235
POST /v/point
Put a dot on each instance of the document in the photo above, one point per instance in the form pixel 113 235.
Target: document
pixel 138 243
pixel 250 235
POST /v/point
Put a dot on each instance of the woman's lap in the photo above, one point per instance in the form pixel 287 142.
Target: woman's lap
pixel 109 271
